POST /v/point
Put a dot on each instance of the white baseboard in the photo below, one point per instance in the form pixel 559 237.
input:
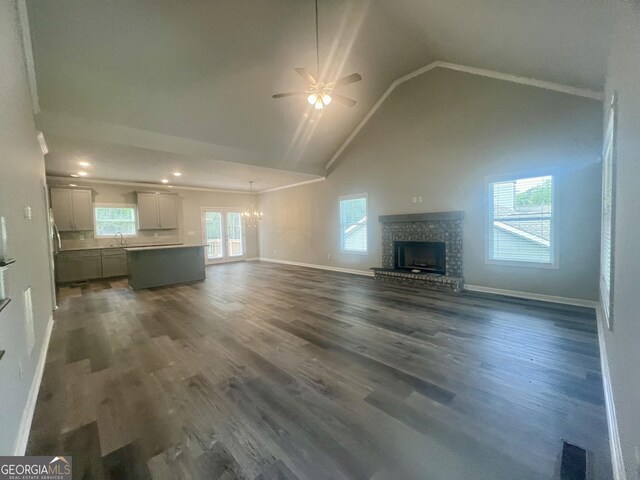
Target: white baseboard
pixel 20 446
pixel 533 296
pixel 617 462
pixel 251 259
pixel 365 273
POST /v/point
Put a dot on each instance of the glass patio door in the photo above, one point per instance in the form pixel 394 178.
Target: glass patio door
pixel 223 234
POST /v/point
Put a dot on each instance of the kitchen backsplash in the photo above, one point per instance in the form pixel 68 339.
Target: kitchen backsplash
pixel 87 239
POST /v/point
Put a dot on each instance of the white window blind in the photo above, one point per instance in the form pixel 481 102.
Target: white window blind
pixel 353 223
pixel 606 248
pixel 115 218
pixel 521 221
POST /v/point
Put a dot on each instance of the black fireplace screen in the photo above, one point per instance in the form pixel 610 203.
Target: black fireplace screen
pixel 423 256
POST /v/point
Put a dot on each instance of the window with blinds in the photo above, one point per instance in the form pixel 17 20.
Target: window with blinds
pixel 353 223
pixel 521 222
pixel 606 247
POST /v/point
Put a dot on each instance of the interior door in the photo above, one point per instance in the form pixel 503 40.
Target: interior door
pixel 223 233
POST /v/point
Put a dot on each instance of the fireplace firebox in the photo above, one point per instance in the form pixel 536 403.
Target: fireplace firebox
pixel 428 257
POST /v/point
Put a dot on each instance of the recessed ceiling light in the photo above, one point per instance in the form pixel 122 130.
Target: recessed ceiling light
pixel 83 174
pixel 170 186
pixel 164 180
pixel 176 174
pixel 73 185
pixel 84 164
pixel 74 175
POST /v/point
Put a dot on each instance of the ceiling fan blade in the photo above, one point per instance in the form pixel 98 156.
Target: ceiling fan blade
pixel 354 77
pixel 342 99
pixel 304 73
pixel 288 94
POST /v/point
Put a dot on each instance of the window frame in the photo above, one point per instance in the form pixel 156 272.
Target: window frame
pixel 608 175
pixel 341 239
pixel 488 218
pixel 114 205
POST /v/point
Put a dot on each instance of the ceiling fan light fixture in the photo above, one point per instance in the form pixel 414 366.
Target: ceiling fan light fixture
pixel 319 105
pixel 326 99
pixel 312 98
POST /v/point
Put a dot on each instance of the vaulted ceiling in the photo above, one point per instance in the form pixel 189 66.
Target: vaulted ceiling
pixel 193 79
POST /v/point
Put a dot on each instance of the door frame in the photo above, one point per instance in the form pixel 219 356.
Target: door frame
pixel 225 257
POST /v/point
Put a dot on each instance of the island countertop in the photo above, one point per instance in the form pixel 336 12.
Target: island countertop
pixel 161 247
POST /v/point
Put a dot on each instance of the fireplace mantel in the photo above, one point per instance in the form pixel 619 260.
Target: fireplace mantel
pixel 421 217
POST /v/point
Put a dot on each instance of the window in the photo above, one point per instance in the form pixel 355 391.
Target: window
pixel 353 223
pixel 112 219
pixel 606 247
pixel 521 226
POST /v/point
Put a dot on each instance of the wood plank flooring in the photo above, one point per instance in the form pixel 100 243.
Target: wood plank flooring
pixel 267 371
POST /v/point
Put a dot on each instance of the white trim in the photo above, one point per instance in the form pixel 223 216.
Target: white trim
pixel 557 87
pixel 489 181
pixel 533 82
pixel 617 461
pixel 27 46
pixel 319 267
pixel 43 143
pixel 226 258
pixel 299 184
pixel 20 445
pixel 152 186
pixel 354 196
pixel 578 302
pixel 115 205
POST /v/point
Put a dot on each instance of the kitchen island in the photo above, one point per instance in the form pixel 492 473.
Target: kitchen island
pixel 157 265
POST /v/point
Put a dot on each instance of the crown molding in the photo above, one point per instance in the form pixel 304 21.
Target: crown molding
pixel 284 187
pixel 556 87
pixel 152 186
pixel 27 46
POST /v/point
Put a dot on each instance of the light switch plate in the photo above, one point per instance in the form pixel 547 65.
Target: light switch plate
pixel 27 212
pixel 191 233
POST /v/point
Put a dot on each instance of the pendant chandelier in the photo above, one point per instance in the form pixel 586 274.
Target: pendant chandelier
pixel 251 215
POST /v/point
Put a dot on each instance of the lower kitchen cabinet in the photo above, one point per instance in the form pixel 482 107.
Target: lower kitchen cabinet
pixel 81 265
pixel 67 269
pixel 114 263
pixel 78 265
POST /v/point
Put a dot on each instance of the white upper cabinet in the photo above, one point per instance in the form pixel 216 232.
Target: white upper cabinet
pixel 167 211
pixel 72 209
pixel 157 211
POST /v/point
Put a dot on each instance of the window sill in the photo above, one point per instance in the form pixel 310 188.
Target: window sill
pixel 354 252
pixel 508 263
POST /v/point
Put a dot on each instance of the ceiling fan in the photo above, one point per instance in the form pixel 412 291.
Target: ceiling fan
pixel 320 94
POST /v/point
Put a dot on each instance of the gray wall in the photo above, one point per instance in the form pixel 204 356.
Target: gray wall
pixel 22 183
pixel 190 203
pixel 622 344
pixel 439 135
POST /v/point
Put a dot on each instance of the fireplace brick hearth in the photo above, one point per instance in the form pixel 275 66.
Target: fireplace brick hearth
pixel 423 227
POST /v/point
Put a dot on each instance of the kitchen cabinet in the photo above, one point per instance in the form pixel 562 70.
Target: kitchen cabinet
pixel 78 266
pixel 157 211
pixel 167 211
pixel 114 262
pixel 72 209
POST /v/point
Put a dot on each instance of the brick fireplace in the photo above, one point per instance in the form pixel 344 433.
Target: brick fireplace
pixel 422 249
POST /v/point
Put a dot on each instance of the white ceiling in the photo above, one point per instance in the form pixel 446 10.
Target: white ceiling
pixel 193 80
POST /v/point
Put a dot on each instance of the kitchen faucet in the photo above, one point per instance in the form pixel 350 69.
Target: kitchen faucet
pixel 122 242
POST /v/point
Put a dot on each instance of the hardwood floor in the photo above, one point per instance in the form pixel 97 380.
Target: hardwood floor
pixel 267 371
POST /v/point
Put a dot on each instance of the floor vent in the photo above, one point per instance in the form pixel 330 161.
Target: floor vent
pixel 574 463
